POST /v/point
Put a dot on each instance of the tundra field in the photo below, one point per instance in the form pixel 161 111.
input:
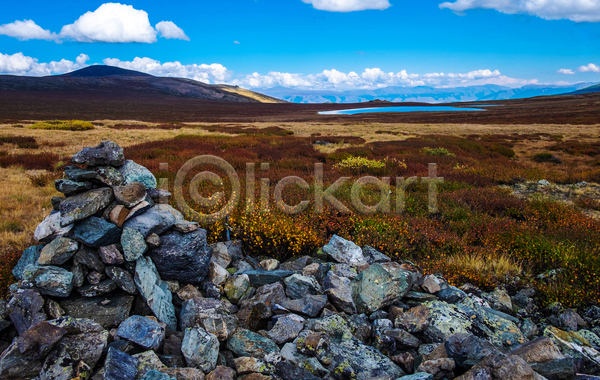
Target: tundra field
pixel 496 222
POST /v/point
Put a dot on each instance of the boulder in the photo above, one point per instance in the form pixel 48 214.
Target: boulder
pixel 81 206
pixel 122 279
pixel 25 309
pixel 14 365
pixel 286 328
pixel 95 232
pixel 297 286
pixel 246 343
pixel 156 220
pixel 374 256
pixel 58 251
pixel 106 153
pixel 344 251
pixel 133 172
pixel 339 291
pixel 468 350
pixel 49 280
pixel 376 288
pixel 130 195
pixel 107 311
pixel 119 366
pixel 210 314
pixel 182 257
pixel 155 291
pixel 200 349
pixel 143 331
pixel 539 350
pixel 50 228
pixel 30 256
pixel 133 243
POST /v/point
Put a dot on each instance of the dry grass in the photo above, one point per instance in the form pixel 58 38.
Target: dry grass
pixel 499 267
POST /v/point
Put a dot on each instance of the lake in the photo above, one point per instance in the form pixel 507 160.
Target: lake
pixel 355 111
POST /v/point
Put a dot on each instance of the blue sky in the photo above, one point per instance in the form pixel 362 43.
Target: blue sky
pixel 311 44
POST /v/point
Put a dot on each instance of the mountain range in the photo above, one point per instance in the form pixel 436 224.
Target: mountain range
pixel 425 94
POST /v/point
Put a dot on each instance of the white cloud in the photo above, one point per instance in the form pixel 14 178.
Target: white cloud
pixel 213 73
pixel 237 42
pixel 19 64
pixel 348 5
pixel 566 71
pixel 574 10
pixel 26 30
pixel 591 68
pixel 168 30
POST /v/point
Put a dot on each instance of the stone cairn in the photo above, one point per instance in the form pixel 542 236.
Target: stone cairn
pixel 122 288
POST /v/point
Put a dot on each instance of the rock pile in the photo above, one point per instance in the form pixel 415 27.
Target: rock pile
pixel 123 288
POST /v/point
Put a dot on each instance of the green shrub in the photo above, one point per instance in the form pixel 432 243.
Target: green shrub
pixel 504 151
pixel 437 152
pixel 546 157
pixel 63 125
pixel 358 163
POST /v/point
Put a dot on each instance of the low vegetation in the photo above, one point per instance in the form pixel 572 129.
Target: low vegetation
pixel 63 125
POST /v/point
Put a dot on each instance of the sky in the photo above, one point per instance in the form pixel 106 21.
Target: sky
pixel 311 44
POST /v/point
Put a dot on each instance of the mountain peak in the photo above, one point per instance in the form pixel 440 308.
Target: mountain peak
pixel 104 71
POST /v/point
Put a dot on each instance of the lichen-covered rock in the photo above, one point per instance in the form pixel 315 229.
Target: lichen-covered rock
pixel 236 287
pixel 310 305
pixel 131 194
pixel 106 153
pixel 344 251
pixel 286 328
pixel 49 280
pixel 200 349
pixel 297 286
pixel 68 187
pixel 143 331
pixel 133 243
pixel 30 256
pixel 210 314
pixel 85 339
pixel 58 251
pixel 148 362
pixel 339 291
pixel 414 320
pixel 574 345
pixel 81 206
pixel 107 311
pixel 247 343
pixel 155 291
pixel 91 290
pixel 95 232
pixel 133 172
pixel 157 220
pixel 119 365
pixel 50 228
pixel 376 288
pixel 122 279
pixel 108 176
pixel 14 365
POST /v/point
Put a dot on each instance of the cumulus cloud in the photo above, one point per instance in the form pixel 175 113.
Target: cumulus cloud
pixel 574 10
pixel 591 68
pixel 348 5
pixel 566 71
pixel 213 73
pixel 168 30
pixel 26 30
pixel 20 64
pixel 237 42
pixel 111 22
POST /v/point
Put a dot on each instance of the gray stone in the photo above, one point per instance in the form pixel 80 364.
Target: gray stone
pixel 182 257
pixel 344 251
pixel 85 339
pixel 185 227
pixel 49 280
pixel 153 240
pixel 95 278
pixel 265 277
pixel 339 291
pixel 374 256
pixel 95 232
pixel 417 376
pixel 246 343
pixel 75 173
pixel 26 309
pixel 286 328
pixel 404 340
pixel 134 245
pixel 106 153
pixel 143 331
pixel 122 278
pixel 89 258
pixel 107 311
pixel 111 255
pixel 344 270
pixel 200 349
pixel 217 274
pixel 108 176
pixel 119 366
pixel 560 369
pixel 432 284
pixel 103 287
pixel 131 194
pixel 14 365
pixel 467 350
pixel 156 220
pixel 155 375
pixel 287 371
pixel 236 287
pixel 68 187
pixel 58 366
pixel 210 314
pixel 298 286
pixel 133 172
pixel 81 206
pixel 185 373
pixel 451 294
pixel 50 228
pixel 376 288
pixel 79 274
pixel 58 251
pixel 499 300
pixel 310 305
pixel 155 291
pixel 30 256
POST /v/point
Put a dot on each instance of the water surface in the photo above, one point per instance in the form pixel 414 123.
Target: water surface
pixel 355 111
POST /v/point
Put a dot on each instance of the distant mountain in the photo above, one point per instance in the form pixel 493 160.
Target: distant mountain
pixel 121 82
pixel 587 90
pixel 421 94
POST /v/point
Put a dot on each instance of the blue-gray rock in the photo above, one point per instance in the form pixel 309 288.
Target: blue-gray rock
pixel 417 376
pixel 68 187
pixel 286 328
pixel 96 232
pixel 265 277
pixel 58 251
pixel 50 228
pixel 182 257
pixel 339 291
pixel 85 339
pixel 155 375
pixel 467 350
pixel 344 251
pixel 200 349
pixel 58 365
pixel 14 365
pixel 375 288
pixel 451 294
pixel 99 289
pixel 49 280
pixel 310 305
pixel 155 291
pixel 247 343
pixel 122 278
pixel 143 331
pixel 119 366
pixel 404 340
pixel 288 371
pixel 106 153
pixel 107 311
pixel 75 173
pixel 374 256
pixel 84 205
pixel 156 220
pixel 26 309
pixel 90 258
pixel 133 172
pixel 30 256
pixel 556 369
pixel 298 286
pixel 108 176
